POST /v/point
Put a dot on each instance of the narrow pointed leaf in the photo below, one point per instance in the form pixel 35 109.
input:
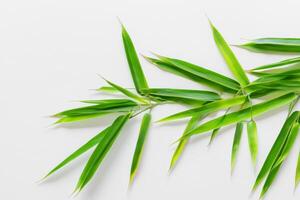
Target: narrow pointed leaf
pixel 198 95
pixel 270 179
pixel 137 73
pixel 252 140
pixel 128 93
pixel 101 150
pixel 236 143
pixel 278 64
pixel 107 89
pixel 229 57
pixel 181 145
pixel 289 144
pixel 104 102
pixel 213 135
pixel 273 45
pixel 243 114
pixel 140 145
pixel 196 73
pixel 297 176
pixel 91 143
pixel 276 148
pixel 207 108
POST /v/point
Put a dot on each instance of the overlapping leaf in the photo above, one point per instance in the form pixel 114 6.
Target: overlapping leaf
pixel 101 150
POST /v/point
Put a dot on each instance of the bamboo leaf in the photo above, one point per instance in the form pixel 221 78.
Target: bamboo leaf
pixel 140 145
pixel 252 140
pixel 101 150
pixel 137 73
pixel 196 73
pixel 270 179
pixel 289 144
pixel 91 143
pixel 243 114
pixel 127 93
pixel 229 57
pixel 273 45
pixel 109 102
pixel 181 145
pixel 213 135
pixel 107 89
pixel 276 148
pixel 297 176
pixel 236 143
pixel 185 96
pixel 278 64
pixel 207 108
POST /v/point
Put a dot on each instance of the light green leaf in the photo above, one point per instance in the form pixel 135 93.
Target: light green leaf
pixel 236 143
pixel 252 140
pixel 101 150
pixel 276 148
pixel 273 45
pixel 137 73
pixel 182 95
pixel 297 176
pixel 213 135
pixel 109 102
pixel 91 143
pixel 243 114
pixel 181 145
pixel 277 64
pixel 107 89
pixel 140 145
pixel 207 108
pixel 196 73
pixel 229 57
pixel 128 93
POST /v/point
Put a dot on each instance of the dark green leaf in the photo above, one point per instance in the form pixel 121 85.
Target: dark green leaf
pixel 278 64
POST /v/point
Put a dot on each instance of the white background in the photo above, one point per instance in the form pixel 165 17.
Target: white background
pixel 50 54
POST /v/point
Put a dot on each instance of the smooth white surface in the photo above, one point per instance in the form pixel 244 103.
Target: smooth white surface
pixel 50 54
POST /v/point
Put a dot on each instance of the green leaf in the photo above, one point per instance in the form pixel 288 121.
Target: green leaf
pixel 270 179
pixel 273 45
pixel 137 73
pixel 229 57
pixel 196 73
pixel 91 143
pixel 297 176
pixel 243 114
pixel 207 108
pixel 213 135
pixel 140 145
pixel 181 145
pixel 128 93
pixel 276 148
pixel 109 102
pixel 101 150
pixel 278 64
pixel 289 144
pixel 236 143
pixel 182 95
pixel 252 140
pixel 107 89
